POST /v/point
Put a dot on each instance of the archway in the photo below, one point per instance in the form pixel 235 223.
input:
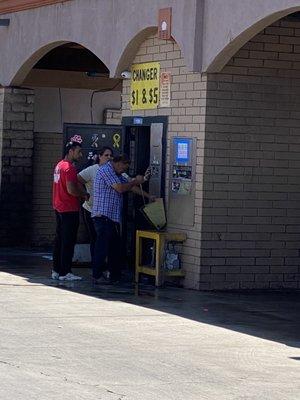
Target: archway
pixel 238 42
pixel 68 84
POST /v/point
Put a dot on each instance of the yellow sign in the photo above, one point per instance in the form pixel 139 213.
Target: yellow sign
pixel 144 93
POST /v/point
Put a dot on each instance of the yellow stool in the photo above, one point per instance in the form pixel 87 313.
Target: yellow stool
pixel 160 239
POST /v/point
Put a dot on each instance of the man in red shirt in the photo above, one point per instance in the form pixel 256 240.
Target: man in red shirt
pixel 66 195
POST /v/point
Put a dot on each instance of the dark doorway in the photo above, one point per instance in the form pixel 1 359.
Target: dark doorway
pixel 137 146
pixel 144 143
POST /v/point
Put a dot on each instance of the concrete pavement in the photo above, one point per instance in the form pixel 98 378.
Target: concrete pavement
pixel 79 341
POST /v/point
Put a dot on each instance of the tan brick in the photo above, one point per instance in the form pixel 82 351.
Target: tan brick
pixel 253 46
pixel 193 77
pixel 282 48
pixel 166 48
pixel 179 79
pixel 174 54
pixel 264 55
pixel 152 49
pixel 277 64
pixel 159 57
pixel 179 62
pixel 247 62
pixel 145 58
pixel 186 86
pixel 235 70
pixel 178 95
pixel 271 30
pixel 266 38
pixel 290 40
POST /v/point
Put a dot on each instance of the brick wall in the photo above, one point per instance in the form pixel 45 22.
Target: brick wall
pixel 47 152
pixel 112 116
pixel 185 118
pixel 16 174
pixel 251 206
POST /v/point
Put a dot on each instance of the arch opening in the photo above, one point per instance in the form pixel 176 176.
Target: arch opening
pixel 128 54
pixel 236 44
pixel 65 65
pixel 71 85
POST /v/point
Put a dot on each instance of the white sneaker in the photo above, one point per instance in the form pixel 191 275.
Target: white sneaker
pixel 54 275
pixel 106 274
pixel 70 277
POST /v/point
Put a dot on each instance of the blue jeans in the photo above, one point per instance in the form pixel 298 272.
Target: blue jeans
pixel 108 245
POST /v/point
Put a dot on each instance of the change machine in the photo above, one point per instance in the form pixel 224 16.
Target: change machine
pixel 182 181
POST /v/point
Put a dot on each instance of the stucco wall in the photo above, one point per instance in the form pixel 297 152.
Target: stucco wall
pixel 70 105
pixel 251 208
pixel 105 27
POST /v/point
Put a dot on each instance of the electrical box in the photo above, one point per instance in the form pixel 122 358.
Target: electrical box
pixel 182 181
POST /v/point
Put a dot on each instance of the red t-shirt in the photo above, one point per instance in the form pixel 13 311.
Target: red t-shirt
pixel 63 201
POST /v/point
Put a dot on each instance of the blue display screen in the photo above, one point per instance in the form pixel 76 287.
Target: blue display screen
pixel 138 121
pixel 182 150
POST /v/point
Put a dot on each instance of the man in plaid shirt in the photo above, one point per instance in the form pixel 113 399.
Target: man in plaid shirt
pixel 109 187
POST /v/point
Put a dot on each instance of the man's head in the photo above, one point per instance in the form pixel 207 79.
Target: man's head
pixel 121 163
pixel 73 151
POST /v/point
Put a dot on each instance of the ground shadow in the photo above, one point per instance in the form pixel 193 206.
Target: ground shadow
pixel 271 316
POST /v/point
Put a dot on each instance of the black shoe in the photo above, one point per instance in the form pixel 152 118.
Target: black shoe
pixel 115 281
pixel 101 281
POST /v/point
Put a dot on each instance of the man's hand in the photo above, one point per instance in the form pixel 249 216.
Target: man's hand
pixel 152 199
pixel 147 174
pixel 139 179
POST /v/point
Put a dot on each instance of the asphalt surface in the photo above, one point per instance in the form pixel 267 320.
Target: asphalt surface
pixel 79 341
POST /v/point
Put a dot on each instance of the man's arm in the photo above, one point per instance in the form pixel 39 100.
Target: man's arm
pixel 126 187
pixel 81 183
pixel 141 192
pixel 81 180
pixel 74 189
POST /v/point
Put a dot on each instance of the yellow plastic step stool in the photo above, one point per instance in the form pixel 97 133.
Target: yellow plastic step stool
pixel 160 239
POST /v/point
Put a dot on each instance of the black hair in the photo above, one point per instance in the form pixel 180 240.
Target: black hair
pixel 71 146
pixel 103 150
pixel 122 158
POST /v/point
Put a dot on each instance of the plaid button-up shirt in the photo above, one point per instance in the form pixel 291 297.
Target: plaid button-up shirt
pixel 107 201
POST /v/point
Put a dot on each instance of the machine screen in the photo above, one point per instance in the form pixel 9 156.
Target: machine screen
pixel 182 150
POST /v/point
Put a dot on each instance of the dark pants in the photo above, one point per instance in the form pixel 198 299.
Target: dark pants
pixel 65 239
pixel 108 244
pixel 89 224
